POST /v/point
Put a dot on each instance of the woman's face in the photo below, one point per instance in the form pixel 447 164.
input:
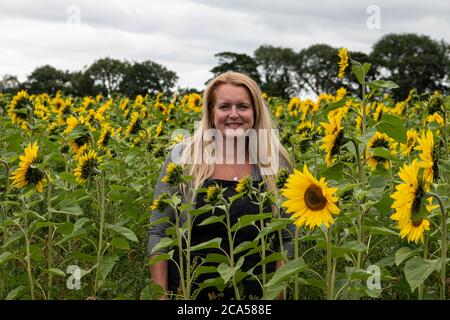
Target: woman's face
pixel 233 109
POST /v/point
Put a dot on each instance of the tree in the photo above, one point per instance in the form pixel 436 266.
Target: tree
pixel 412 61
pixel 276 67
pixel 147 77
pixel 81 84
pixel 108 74
pixel 46 79
pixel 9 84
pixel 316 69
pixel 238 62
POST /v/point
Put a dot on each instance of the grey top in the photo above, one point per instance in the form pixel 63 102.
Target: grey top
pixel 157 231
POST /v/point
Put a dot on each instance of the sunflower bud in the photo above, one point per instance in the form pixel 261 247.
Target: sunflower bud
pixel 160 202
pixel 173 174
pixel 244 185
pixel 213 194
pixel 436 103
pixel 282 178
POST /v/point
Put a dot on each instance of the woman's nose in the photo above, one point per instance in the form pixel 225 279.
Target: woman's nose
pixel 233 112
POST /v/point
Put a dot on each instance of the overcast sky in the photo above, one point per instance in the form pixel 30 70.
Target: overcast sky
pixel 185 35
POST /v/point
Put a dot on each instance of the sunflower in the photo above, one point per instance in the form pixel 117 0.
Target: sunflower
pixel 178 138
pixel 106 133
pixel 409 204
pixel 311 201
pixel 435 117
pixel 195 102
pixel 334 137
pixel 27 173
pixel 282 177
pixel 160 202
pixel 343 63
pixel 341 93
pixel 213 194
pixel 379 111
pixel 135 124
pixel 173 174
pixel 435 103
pixel 78 132
pixel 244 185
pixel 41 111
pixel 279 111
pixel 87 166
pixel 294 106
pixel 428 156
pixel 379 140
pixel 159 129
pixel 411 138
pixel 19 109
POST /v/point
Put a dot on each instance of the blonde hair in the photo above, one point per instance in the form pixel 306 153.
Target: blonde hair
pixel 202 170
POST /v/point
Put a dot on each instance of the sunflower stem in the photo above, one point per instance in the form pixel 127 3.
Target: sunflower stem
pixel 296 245
pixel 358 160
pixel 261 199
pixel 425 254
pixel 28 258
pixel 188 257
pixel 330 268
pixel 49 236
pixel 101 202
pixel 230 240
pixel 180 252
pixel 444 246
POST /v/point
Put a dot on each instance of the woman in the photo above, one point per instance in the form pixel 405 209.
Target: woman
pixel 235 140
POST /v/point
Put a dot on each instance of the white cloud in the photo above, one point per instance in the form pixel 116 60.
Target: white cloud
pixel 185 35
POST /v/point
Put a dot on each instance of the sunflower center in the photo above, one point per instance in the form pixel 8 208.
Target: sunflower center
pixel 136 127
pixel 89 169
pixel 106 139
pixel 337 142
pixel 314 198
pixel 81 141
pixel 34 175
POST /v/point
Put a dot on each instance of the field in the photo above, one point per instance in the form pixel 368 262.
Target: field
pixel 78 175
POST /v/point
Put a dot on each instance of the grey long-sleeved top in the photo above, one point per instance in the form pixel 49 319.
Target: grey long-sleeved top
pixel 157 231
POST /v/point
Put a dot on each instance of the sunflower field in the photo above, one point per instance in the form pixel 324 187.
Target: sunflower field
pixel 369 196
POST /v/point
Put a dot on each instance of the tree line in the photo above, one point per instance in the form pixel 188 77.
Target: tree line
pixel 410 60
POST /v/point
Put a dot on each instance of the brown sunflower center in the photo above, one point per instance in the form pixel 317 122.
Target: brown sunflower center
pixel 314 198
pixel 34 175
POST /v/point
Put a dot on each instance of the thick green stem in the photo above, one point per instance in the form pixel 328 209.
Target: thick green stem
pixel 230 240
pixel 361 174
pixel 180 253
pixel 28 259
pixel 296 285
pixel 188 257
pixel 50 237
pixel 330 268
pixel 444 245
pixel 359 235
pixel 263 245
pixel 101 203
pixel 425 254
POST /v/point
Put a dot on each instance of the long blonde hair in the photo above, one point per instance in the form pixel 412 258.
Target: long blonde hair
pixel 202 170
